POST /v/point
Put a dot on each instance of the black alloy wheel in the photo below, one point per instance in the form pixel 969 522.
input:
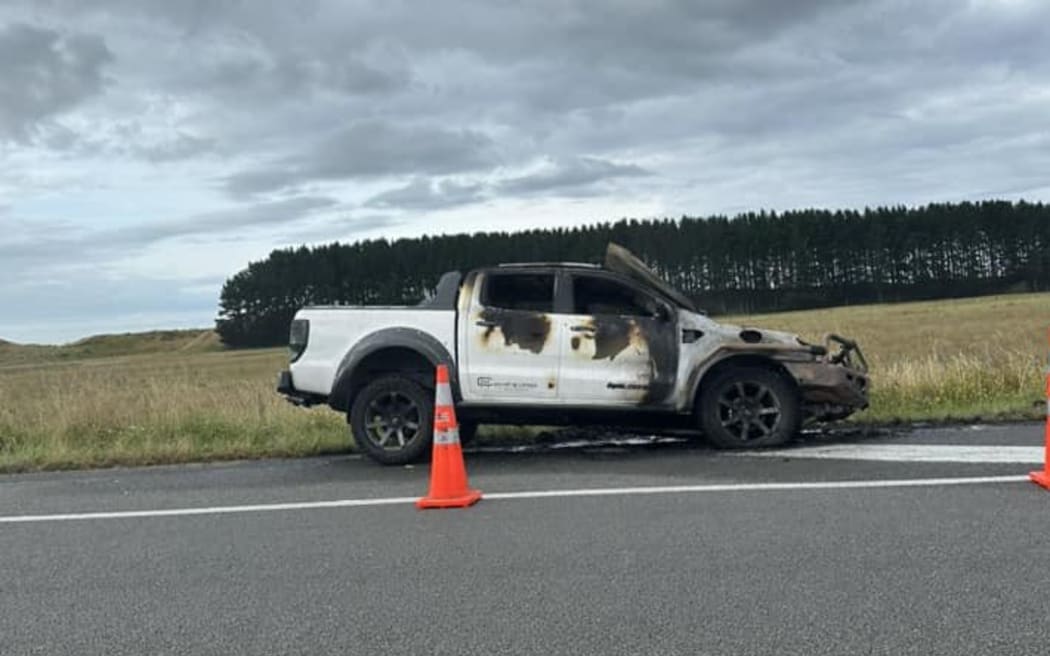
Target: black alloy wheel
pixel 391 419
pixel 749 407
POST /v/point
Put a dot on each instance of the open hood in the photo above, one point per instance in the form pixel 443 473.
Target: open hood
pixel 623 261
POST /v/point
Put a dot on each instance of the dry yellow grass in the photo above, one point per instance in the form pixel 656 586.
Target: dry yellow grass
pixel 947 359
pixel 157 408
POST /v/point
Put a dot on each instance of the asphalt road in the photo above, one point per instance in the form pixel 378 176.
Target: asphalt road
pixel 962 569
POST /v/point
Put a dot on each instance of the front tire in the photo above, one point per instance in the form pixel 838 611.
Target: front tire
pixel 392 420
pixel 749 407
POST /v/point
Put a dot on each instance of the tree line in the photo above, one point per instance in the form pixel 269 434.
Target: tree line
pixel 753 262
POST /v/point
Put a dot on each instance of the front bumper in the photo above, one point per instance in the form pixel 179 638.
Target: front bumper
pixel 286 387
pixel 837 384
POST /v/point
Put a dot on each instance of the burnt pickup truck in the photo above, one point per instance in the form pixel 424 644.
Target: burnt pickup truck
pixel 565 344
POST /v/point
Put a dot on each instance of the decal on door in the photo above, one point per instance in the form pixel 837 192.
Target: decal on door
pixel 489 383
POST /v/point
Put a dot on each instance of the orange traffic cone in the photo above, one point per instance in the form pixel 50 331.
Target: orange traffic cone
pixel 448 475
pixel 1043 477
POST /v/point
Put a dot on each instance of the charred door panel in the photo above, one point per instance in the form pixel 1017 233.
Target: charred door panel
pixel 618 360
pixel 624 353
pixel 509 340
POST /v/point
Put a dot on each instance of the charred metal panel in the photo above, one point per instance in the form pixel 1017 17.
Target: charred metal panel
pixel 622 261
pixel 612 335
pixel 820 381
pixel 445 294
pixel 663 358
pixel 466 293
pixel 823 382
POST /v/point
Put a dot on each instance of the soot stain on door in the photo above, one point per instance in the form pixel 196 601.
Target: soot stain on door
pixel 663 361
pixel 613 334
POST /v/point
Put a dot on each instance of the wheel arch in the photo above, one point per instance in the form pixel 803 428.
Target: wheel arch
pixel 730 361
pixel 386 351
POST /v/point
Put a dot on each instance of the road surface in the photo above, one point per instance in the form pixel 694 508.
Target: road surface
pixel 812 550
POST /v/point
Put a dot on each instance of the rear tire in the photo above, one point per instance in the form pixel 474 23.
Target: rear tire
pixel 749 407
pixel 392 420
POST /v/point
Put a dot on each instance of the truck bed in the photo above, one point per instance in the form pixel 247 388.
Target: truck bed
pixel 334 330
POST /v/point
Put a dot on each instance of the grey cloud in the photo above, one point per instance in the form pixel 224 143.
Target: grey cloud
pixel 253 216
pixel 47 244
pixel 182 146
pixel 368 149
pixel 571 176
pixel 45 72
pixel 291 63
pixel 358 77
pixel 553 56
pixel 577 177
pixel 728 104
pixel 422 193
pixel 339 228
pixel 246 75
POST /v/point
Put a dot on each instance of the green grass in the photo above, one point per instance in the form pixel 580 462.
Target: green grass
pixel 176 396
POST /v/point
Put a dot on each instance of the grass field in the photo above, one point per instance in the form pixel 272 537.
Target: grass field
pixel 177 397
pixel 107 346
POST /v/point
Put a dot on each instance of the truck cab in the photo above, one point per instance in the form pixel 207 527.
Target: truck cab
pixel 565 335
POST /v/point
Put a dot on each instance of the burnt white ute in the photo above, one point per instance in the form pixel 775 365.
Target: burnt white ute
pixel 564 344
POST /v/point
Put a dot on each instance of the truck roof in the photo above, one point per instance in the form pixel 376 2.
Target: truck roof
pixel 621 261
pixel 567 265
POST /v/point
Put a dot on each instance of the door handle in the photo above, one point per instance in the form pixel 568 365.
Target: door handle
pixel 486 324
pixel 582 329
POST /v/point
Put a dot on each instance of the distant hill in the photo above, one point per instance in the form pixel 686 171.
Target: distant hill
pixel 105 346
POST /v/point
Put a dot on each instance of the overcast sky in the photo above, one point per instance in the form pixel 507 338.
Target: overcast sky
pixel 151 148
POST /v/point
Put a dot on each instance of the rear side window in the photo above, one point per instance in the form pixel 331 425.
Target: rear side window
pixel 592 295
pixel 531 292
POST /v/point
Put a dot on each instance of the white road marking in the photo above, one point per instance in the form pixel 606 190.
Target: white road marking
pixel 509 496
pixel 909 453
pixel 210 510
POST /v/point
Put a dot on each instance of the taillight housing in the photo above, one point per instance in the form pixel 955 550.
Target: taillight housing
pixel 298 336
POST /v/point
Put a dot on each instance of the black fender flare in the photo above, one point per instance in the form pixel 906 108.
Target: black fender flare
pixel 398 337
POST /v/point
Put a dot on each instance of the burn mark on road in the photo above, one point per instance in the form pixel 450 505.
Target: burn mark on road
pixel 526 330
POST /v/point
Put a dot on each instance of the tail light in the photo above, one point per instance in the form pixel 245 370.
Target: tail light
pixel 298 336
